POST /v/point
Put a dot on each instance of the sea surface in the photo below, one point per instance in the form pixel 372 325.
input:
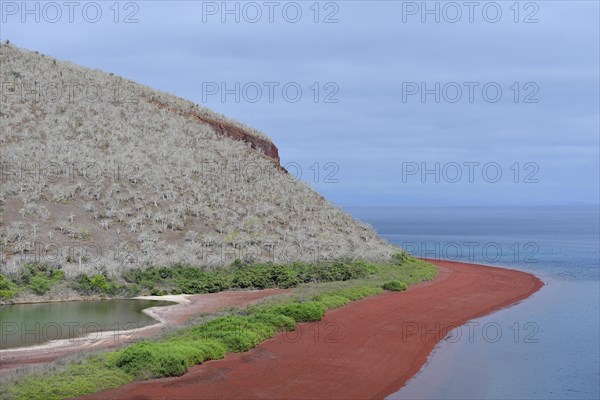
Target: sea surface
pixel 545 347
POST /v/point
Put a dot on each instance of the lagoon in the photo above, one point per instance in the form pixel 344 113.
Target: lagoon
pixel 33 324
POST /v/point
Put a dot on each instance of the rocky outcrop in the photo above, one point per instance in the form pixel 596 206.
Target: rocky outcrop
pixel 223 128
pixel 263 145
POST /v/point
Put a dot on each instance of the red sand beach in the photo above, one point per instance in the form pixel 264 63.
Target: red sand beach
pixel 365 350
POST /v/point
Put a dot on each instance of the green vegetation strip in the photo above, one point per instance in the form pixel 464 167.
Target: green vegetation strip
pixel 240 331
pixel 39 279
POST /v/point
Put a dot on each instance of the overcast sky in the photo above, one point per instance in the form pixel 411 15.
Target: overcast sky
pixel 362 67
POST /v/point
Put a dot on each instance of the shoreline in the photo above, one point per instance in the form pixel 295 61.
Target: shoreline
pixel 361 350
pixel 95 298
pixel 166 316
pixel 158 317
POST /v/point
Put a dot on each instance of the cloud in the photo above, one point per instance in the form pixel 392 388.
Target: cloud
pixel 370 55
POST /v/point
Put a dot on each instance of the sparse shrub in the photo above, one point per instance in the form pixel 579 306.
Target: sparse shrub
pixel 395 286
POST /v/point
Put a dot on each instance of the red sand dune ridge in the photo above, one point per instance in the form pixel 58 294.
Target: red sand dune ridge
pixel 365 350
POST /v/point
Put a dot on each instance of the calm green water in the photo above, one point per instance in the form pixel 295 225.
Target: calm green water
pixel 30 324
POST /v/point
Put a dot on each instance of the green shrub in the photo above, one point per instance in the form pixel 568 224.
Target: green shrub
pixel 313 273
pixel 239 341
pixel 401 257
pixel 39 285
pixel 345 271
pixel 5 283
pixel 279 321
pixel 283 277
pixel 214 328
pixel 26 273
pixel 395 286
pixel 91 376
pixel 237 333
pixel 39 278
pixel 131 290
pixel 152 360
pixel 359 293
pixel 146 360
pixel 329 272
pixel 300 312
pixel 193 280
pixel 136 359
pixel 7 294
pixel 252 276
pixel 165 273
pixel 96 284
pixel 8 289
pixel 158 292
pixel 208 350
pixel 149 277
pixel 57 275
pixel 99 283
pixel 332 300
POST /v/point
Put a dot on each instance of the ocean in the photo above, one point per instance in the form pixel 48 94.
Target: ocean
pixel 545 347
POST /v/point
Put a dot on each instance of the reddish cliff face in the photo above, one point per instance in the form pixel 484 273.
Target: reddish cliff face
pixel 263 145
pixel 222 128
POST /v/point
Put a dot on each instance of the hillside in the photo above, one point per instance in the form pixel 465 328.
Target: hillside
pixel 100 173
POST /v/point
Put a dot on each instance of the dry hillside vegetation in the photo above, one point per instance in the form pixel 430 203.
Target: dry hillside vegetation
pixel 102 174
